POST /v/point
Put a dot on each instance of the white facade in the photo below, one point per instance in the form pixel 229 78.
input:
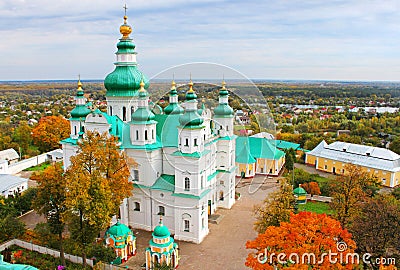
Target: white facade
pixel 182 173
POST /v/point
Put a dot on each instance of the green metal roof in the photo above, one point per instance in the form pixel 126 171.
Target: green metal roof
pixel 161 231
pixel 119 230
pixel 80 111
pixel 174 108
pixel 223 110
pixel 285 144
pixel 124 81
pixel 142 115
pixel 190 196
pixel 299 191
pixel 194 155
pixel 211 176
pixel 190 118
pixel 69 141
pixel 257 148
pixel 244 156
pixel 165 182
pixel 167 129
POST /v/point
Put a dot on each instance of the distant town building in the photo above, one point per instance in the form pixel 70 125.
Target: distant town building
pixel 10 185
pixel 381 162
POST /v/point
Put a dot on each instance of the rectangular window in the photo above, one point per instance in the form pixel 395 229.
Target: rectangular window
pixel 187 183
pixel 186 142
pixel 135 175
pixel 195 142
pixel 161 211
pixel 187 225
pixel 326 167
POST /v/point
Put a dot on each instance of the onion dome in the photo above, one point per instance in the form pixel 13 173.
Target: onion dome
pixel 161 231
pixel 119 230
pixel 223 109
pixel 299 191
pixel 191 95
pixel 143 113
pixel 126 77
pixel 191 117
pixel 80 110
pixel 173 106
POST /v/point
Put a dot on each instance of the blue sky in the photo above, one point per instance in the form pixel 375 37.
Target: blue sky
pixel 332 40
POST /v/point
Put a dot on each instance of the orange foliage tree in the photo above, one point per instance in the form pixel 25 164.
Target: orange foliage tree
pixel 49 132
pixel 303 243
pixel 311 188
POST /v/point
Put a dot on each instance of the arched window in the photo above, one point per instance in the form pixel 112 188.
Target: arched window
pixel 111 110
pixel 186 142
pixel 137 206
pixel 186 225
pixel 145 135
pixel 187 183
pixel 152 134
pixel 123 113
pixel 161 211
pixel 75 132
pixel 132 110
pixel 221 195
pixel 137 135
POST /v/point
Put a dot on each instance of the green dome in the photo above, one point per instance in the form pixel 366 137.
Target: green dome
pixel 119 230
pixel 223 92
pixel 190 119
pixel 124 81
pixel 223 110
pixel 125 46
pixel 143 114
pixel 299 191
pixel 161 231
pixel 80 111
pixel 173 108
pixel 190 95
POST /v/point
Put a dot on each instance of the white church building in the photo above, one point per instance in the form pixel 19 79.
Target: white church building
pixel 182 159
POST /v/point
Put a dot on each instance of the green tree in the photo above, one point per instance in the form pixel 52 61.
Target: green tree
pixel 376 229
pixel 22 136
pixel 275 208
pixel 97 182
pixel 11 227
pixel 395 145
pixel 290 159
pixel 349 191
pixel 50 201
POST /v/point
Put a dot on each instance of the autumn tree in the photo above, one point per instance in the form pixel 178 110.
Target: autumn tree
pixel 305 233
pixel 50 131
pixel 376 229
pixel 395 145
pixel 22 136
pixel 97 182
pixel 349 190
pixel 290 159
pixel 275 208
pixel 311 188
pixel 50 201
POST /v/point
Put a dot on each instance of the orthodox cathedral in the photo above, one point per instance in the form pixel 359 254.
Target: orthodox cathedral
pixel 182 158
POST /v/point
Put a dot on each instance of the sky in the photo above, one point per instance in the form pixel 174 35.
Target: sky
pixel 263 39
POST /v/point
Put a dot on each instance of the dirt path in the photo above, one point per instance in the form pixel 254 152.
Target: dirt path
pixel 224 247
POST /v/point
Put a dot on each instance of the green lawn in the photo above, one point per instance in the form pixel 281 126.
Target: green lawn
pixel 40 167
pixel 316 207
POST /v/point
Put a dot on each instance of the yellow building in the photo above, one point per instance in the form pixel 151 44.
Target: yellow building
pixel 381 162
pixel 256 155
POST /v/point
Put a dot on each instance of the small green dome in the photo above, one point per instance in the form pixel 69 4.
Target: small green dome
pixel 299 191
pixel 190 95
pixel 119 230
pixel 190 119
pixel 161 231
pixel 173 108
pixel 125 46
pixel 223 92
pixel 80 111
pixel 143 114
pixel 124 81
pixel 223 110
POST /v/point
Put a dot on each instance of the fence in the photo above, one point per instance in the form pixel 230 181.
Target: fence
pixel 45 250
pixel 30 162
pixel 319 198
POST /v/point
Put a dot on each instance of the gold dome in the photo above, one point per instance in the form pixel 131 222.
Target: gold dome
pixel 125 29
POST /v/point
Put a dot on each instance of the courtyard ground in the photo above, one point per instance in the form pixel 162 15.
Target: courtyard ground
pixel 224 247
